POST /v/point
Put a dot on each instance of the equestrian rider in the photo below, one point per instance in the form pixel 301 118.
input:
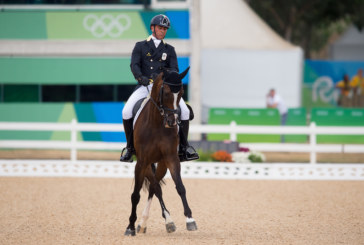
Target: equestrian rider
pixel 148 59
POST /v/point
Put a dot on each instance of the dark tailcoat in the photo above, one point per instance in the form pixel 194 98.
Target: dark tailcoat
pixel 146 59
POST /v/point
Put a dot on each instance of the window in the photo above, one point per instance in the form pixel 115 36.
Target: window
pixel 59 93
pixel 124 92
pixel 90 93
pixel 21 93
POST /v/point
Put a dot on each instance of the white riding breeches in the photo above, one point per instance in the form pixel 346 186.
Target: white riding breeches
pixel 143 92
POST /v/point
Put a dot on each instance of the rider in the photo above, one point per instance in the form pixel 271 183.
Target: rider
pixel 148 59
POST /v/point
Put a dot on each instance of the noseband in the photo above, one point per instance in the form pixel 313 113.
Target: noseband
pixel 165 111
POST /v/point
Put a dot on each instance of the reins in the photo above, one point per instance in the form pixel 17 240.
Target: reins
pixel 161 108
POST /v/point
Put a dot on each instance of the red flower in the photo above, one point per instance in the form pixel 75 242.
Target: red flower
pixel 222 156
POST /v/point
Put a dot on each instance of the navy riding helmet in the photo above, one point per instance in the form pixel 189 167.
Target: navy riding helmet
pixel 160 20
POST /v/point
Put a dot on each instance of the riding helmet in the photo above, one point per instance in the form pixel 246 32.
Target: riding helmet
pixel 160 20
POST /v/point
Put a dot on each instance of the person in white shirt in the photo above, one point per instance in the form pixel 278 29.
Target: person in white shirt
pixel 274 100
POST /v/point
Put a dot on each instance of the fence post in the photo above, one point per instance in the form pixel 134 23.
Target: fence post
pixel 313 142
pixel 73 140
pixel 233 136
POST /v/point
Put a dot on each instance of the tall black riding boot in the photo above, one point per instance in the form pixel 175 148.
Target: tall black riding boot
pixel 186 152
pixel 128 151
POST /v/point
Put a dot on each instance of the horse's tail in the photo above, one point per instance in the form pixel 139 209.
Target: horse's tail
pixel 146 183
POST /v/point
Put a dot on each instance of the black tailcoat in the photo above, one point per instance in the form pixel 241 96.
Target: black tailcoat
pixel 146 59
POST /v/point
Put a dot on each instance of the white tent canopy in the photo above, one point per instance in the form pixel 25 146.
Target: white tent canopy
pixel 242 58
pixel 233 24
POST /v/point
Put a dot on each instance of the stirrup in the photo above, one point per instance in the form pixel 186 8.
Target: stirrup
pixel 128 156
pixel 188 154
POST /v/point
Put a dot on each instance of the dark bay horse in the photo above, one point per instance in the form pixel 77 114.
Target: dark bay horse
pixel 156 141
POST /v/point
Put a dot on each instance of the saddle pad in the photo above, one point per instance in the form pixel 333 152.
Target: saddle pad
pixel 140 109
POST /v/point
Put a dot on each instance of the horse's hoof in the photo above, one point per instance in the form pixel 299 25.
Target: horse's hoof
pixel 129 232
pixel 170 227
pixel 141 229
pixel 191 226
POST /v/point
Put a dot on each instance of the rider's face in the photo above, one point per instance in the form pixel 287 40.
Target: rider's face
pixel 159 31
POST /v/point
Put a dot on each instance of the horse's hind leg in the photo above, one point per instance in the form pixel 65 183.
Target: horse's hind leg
pixel 176 176
pixel 157 190
pixel 135 197
pixel 142 227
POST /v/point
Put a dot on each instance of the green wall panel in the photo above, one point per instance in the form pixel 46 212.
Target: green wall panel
pixel 296 117
pixel 67 114
pixel 244 117
pixel 99 25
pixel 85 113
pixel 29 112
pixel 25 70
pixel 81 24
pixel 338 117
pixel 22 25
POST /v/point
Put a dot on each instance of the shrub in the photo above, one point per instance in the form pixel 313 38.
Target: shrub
pixel 205 156
pixel 248 157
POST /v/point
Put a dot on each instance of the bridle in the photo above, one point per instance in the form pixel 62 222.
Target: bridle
pixel 165 112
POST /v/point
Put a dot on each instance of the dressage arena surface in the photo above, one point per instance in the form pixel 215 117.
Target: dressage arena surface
pixel 96 211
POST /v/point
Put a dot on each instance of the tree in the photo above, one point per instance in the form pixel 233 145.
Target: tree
pixel 309 23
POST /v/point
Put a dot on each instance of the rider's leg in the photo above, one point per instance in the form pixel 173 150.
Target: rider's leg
pixel 186 152
pixel 128 151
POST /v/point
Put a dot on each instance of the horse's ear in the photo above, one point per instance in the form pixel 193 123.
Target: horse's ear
pixel 183 74
pixel 156 77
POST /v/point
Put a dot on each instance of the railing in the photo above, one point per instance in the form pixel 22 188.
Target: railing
pixel 74 127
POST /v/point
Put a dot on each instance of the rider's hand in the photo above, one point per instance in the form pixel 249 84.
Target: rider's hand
pixel 154 76
pixel 143 81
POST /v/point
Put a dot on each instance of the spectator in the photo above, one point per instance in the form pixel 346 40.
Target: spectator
pixel 345 97
pixel 275 101
pixel 357 82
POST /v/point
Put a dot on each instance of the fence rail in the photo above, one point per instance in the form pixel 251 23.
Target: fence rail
pixel 233 129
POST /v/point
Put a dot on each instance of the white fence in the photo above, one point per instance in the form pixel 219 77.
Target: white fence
pixel 199 170
pixel 74 127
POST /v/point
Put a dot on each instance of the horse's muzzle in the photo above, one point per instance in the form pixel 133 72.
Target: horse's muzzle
pixel 171 121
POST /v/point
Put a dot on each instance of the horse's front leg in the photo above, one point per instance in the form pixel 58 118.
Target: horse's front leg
pixel 135 197
pixel 175 170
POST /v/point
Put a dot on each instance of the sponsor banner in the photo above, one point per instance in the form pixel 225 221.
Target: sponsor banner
pixel 320 78
pixel 95 25
pixel 90 25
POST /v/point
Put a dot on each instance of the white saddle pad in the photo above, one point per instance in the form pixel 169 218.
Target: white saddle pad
pixel 140 109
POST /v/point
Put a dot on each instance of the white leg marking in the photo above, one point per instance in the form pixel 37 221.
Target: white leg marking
pixel 189 220
pixel 168 217
pixel 145 215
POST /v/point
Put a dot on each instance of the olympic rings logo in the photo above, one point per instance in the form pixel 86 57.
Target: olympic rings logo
pixel 106 25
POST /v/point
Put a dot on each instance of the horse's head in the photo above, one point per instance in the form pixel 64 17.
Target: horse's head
pixel 169 89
